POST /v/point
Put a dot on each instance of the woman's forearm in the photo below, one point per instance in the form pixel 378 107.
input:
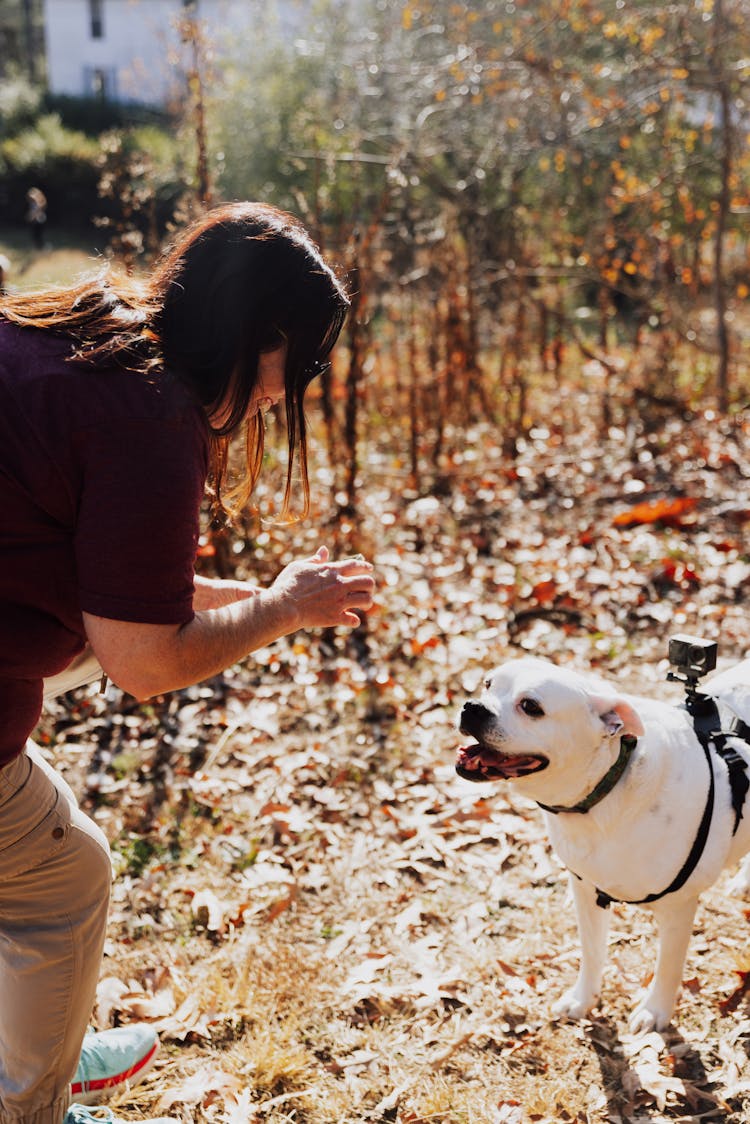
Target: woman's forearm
pixel 212 593
pixel 218 638
pixel 147 659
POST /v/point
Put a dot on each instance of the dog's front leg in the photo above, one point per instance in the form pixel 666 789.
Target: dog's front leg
pixel 593 927
pixel 675 925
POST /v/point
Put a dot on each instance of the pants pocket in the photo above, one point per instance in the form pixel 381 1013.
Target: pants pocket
pixel 35 823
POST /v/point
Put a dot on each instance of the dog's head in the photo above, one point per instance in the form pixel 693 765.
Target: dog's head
pixel 536 720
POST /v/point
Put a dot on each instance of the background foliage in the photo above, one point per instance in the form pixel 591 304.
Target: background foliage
pixel 492 174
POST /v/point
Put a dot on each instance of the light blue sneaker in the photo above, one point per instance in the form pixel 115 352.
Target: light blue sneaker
pixel 79 1114
pixel 112 1061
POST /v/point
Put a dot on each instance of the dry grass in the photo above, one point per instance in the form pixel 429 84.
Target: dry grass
pixel 323 921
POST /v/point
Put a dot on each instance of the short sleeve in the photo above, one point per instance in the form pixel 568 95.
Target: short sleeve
pixel 138 520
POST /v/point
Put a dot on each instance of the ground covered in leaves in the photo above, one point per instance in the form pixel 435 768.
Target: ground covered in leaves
pixel 323 921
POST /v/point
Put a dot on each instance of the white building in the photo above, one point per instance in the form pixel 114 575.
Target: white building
pixel 130 50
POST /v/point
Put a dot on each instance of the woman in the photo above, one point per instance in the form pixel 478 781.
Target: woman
pixel 118 400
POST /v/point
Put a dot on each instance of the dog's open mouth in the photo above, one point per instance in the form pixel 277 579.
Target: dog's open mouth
pixel 478 762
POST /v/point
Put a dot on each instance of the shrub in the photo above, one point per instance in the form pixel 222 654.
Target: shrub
pixel 62 162
pixel 94 115
pixel 19 105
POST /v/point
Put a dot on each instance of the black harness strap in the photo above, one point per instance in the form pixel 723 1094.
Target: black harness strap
pixel 707 724
pixel 737 766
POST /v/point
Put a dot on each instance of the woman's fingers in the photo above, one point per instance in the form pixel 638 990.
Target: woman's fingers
pixel 353 564
pixel 356 565
pixel 350 619
pixel 327 593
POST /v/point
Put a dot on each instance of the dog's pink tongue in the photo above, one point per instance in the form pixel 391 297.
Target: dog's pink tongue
pixel 474 757
pixel 479 759
pixel 469 757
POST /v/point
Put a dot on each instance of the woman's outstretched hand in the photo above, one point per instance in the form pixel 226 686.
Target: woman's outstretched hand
pixel 323 594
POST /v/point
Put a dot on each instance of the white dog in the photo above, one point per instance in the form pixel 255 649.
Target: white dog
pixel 638 807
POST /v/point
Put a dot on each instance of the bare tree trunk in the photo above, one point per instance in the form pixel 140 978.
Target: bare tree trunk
pixel 414 427
pixel 542 345
pixel 723 204
pixel 353 379
pixel 29 40
pixel 329 422
pixel 475 388
pixel 192 36
pixel 517 378
pixel 436 358
pixel 604 303
pixel 558 347
pixel 456 358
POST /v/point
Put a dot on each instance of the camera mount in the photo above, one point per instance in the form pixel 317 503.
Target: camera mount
pixel 692 658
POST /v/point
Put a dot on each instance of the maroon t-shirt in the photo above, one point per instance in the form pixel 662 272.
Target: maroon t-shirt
pixel 102 473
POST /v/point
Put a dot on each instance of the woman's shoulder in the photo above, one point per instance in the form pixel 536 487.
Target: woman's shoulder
pixel 19 340
pixel 153 395
pixel 39 371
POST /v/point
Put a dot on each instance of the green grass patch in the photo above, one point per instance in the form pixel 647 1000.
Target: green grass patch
pixel 67 255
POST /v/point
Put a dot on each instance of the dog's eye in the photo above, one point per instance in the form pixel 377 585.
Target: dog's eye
pixel 487 684
pixel 531 707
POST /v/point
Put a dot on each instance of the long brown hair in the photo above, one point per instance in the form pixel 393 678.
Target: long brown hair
pixel 243 279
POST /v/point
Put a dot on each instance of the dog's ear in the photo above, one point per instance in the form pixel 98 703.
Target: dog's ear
pixel 618 716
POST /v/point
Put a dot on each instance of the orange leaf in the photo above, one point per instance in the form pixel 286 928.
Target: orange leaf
pixel 544 591
pixel 272 809
pixel 282 904
pixel 669 512
pixel 419 646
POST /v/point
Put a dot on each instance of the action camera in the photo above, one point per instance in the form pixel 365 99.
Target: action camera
pixel 691 656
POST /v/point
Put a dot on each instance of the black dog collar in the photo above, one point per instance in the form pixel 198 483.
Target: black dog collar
pixel 606 784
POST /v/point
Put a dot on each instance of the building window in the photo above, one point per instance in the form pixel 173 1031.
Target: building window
pixel 96 18
pixel 100 82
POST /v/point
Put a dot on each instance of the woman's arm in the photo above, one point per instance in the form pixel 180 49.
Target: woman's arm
pixel 212 593
pixel 148 659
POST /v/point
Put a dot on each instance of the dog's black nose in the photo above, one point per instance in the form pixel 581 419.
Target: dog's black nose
pixel 474 717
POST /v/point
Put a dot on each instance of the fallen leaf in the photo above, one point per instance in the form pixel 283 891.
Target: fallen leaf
pixel 668 512
pixel 199 1086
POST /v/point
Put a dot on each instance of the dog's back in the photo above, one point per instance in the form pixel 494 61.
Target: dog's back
pixel 733 688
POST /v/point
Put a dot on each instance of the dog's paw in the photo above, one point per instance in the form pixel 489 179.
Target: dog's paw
pixel 647 1017
pixel 572 1006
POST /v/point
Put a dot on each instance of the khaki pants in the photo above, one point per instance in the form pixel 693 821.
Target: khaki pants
pixel 55 876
